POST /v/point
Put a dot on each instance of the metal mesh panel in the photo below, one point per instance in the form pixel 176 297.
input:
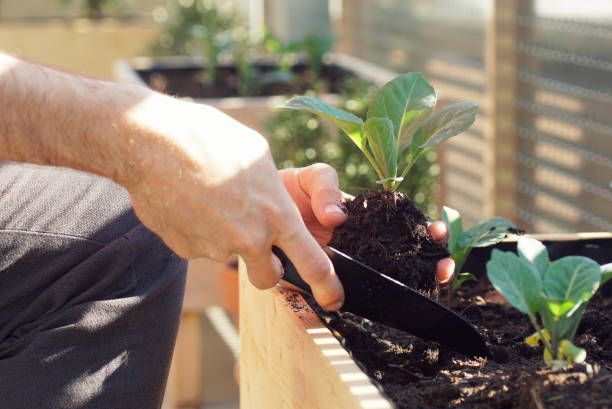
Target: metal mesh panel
pixel 563 97
pixel 564 116
pixel 443 39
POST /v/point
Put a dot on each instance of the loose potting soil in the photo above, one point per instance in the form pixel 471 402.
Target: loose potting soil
pixel 418 374
pixel 386 231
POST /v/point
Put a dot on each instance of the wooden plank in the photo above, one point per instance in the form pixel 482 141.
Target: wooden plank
pixel 186 369
pixel 571 236
pixel 290 360
pixel 202 288
pixel 501 138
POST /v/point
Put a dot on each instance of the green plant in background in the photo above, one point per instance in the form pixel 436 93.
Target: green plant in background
pixel 203 27
pixel 249 83
pixel 285 53
pixel 460 243
pixel 95 9
pixel 315 48
pixel 199 27
pixel 399 127
pixel 301 138
pixel 553 294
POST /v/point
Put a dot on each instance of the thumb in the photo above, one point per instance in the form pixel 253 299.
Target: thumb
pixel 320 182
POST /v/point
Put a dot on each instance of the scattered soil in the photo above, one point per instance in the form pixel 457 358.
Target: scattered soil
pixel 388 232
pixel 187 81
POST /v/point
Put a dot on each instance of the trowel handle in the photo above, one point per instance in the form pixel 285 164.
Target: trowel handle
pixel 291 275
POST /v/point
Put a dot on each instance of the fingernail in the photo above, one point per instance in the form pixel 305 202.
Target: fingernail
pixel 333 208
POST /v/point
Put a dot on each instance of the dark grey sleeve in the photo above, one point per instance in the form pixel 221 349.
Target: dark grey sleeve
pixel 89 298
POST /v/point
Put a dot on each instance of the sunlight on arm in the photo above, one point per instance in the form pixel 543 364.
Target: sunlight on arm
pixel 7 63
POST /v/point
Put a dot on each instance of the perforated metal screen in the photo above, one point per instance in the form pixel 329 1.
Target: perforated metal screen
pixel 561 88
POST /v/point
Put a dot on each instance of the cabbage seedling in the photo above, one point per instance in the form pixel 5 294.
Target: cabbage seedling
pixel 553 294
pixel 460 243
pixel 400 124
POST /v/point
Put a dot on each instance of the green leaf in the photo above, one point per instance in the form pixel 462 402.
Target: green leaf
pixel 606 273
pixel 573 278
pixel 462 278
pixel 379 133
pixel 455 224
pixel 349 123
pixel 448 122
pixel 559 307
pixel 569 323
pixel 572 352
pixel 534 251
pixel 516 280
pixel 407 101
pixel 486 233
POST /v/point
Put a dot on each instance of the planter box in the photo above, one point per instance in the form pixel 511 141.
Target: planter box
pixel 251 111
pixel 291 360
pixel 80 45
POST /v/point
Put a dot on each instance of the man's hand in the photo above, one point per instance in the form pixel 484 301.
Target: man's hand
pixel 204 183
pixel 208 187
pixel 315 191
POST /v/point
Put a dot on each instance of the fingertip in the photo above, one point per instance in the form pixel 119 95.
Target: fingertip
pixel 439 231
pixel 335 306
pixel 317 270
pixel 333 216
pixel 445 269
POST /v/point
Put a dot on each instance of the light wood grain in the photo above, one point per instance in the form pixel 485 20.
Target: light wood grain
pixel 186 369
pixel 501 138
pixel 290 360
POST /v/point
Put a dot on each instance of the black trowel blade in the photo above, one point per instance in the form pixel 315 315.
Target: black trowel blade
pixel 380 298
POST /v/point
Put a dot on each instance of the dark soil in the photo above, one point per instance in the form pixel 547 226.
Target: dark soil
pixel 187 81
pixel 418 374
pixel 388 232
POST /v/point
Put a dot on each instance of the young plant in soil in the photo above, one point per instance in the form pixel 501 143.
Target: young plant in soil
pixel 460 243
pixel 554 295
pixel 385 229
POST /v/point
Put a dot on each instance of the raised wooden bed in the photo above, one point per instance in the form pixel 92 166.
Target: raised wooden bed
pixel 289 358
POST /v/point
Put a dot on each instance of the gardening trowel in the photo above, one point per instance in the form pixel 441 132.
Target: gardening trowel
pixel 380 298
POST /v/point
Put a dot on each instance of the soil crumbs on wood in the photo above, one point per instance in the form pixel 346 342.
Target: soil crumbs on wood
pixel 418 374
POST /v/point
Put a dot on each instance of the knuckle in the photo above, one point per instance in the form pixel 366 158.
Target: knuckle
pixel 290 232
pixel 271 211
pixel 322 167
pixel 319 270
pixel 324 170
pixel 247 244
pixel 261 282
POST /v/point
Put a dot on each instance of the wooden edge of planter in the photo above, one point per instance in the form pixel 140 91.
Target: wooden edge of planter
pixel 570 236
pixel 369 71
pixel 289 359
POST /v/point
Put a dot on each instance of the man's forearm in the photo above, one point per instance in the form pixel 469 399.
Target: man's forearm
pixel 52 118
